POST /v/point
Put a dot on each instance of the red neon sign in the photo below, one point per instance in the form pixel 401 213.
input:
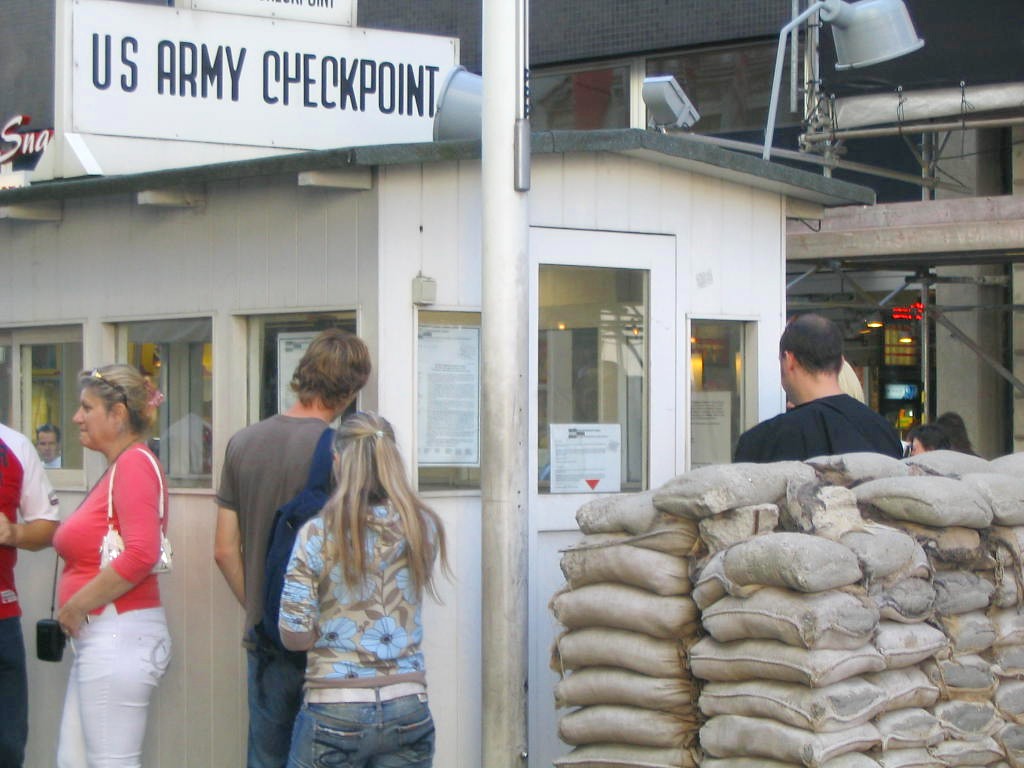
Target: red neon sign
pixel 914 312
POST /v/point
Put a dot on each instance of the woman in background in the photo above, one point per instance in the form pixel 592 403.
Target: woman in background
pixel 352 599
pixel 953 425
pixel 113 612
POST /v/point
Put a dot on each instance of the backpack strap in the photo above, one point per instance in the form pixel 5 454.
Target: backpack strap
pixel 323 461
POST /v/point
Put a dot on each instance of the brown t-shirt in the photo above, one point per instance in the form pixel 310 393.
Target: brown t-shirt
pixel 265 465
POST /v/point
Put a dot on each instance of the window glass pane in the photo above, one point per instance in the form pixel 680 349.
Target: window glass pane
pixel 448 401
pixel 282 340
pixel 49 376
pixel 177 355
pixel 581 100
pixel 592 361
pixel 730 87
pixel 6 377
pixel 720 389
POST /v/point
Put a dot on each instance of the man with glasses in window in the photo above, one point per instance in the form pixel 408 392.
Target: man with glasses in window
pixel 265 466
pixel 25 491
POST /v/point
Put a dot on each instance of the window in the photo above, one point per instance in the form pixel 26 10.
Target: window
pixel 592 370
pixel 722 385
pixel 39 389
pixel 448 401
pixel 177 355
pixel 583 100
pixel 280 341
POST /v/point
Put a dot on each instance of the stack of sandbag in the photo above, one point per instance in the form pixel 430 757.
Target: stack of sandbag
pixel 629 618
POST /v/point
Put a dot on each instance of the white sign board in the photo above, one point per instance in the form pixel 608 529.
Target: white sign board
pixel 291 346
pixel 164 73
pixel 710 428
pixel 448 392
pixel 586 458
pixel 318 11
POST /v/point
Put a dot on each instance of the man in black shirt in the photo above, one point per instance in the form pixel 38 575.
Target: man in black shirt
pixel 823 421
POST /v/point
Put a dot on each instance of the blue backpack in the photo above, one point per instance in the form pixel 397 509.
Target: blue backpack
pixel 288 519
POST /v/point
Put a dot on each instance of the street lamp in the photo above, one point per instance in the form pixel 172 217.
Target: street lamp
pixel 868 32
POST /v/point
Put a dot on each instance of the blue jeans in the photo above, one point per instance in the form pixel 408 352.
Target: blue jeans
pixel 391 734
pixel 275 695
pixel 14 696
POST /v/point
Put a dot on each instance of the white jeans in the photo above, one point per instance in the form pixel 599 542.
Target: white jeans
pixel 119 659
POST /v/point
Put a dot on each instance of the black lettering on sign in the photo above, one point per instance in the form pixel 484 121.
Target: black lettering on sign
pixel 165 76
pixel 188 69
pixel 101 61
pixel 129 80
pixel 270 58
pixel 386 96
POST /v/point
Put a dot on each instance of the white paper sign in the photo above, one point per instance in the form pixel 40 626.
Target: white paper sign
pixel 166 73
pixel 586 458
pixel 710 428
pixel 291 346
pixel 448 396
pixel 319 11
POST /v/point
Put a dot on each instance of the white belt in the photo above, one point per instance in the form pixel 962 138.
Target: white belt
pixel 363 695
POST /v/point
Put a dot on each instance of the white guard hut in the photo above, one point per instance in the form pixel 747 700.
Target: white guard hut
pixel 656 302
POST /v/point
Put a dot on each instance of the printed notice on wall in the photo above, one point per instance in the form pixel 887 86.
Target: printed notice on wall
pixel 448 396
pixel 710 428
pixel 586 458
pixel 291 346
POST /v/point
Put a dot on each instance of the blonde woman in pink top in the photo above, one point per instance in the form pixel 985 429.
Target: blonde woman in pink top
pixel 113 613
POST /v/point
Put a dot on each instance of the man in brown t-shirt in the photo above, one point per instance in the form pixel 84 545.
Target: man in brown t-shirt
pixel 266 465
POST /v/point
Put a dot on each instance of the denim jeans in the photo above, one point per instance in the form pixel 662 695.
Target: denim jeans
pixel 14 696
pixel 119 660
pixel 391 734
pixel 275 695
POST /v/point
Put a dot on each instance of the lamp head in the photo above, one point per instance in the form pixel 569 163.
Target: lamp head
pixel 459 107
pixel 667 103
pixel 870 31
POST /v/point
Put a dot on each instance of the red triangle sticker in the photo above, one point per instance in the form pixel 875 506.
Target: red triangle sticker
pixel 592 483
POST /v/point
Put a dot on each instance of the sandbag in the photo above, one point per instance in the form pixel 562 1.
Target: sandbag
pixel 946 463
pixel 1011 739
pixel 959 592
pixel 1009 701
pixel 968 719
pixel 620 607
pixel 909 601
pixel 796 561
pixel 954 547
pixel 939 502
pixel 903 645
pixel 630 512
pixel 960 753
pixel 830 619
pixel 965 678
pixel 849 760
pixel 850 469
pixel 710 490
pixel 611 685
pixel 711 583
pixel 969 632
pixel 828 511
pixel 592 563
pixel 772 660
pixel 626 725
pixel 1010 464
pixel 679 538
pixel 881 550
pixel 723 530
pixel 909 728
pixel 626 756
pixel 1004 494
pixel 908 687
pixel 1006 585
pixel 908 758
pixel 1008 661
pixel 1008 626
pixel 601 647
pixel 833 707
pixel 738 736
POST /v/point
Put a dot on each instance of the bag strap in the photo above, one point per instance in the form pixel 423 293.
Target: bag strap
pixel 53 595
pixel 110 488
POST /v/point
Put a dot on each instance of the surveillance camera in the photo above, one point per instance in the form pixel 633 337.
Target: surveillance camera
pixel 667 103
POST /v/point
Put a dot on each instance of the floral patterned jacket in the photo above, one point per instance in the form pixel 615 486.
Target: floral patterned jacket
pixel 355 638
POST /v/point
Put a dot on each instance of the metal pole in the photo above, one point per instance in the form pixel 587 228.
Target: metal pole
pixel 505 393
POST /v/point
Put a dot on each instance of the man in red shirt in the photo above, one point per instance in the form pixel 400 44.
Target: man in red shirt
pixel 24 490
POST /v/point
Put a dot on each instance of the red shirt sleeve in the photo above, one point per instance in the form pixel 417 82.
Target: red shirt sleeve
pixel 137 513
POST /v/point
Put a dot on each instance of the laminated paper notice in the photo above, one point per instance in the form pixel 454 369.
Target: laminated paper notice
pixel 586 458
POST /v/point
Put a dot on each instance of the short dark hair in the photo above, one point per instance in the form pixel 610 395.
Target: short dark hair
pixel 334 368
pixel 815 342
pixel 48 428
pixel 931 436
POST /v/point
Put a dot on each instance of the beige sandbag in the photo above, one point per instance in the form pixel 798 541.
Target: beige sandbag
pixel 707 491
pixel 612 685
pixel 909 601
pixel 620 607
pixel 721 531
pixel 626 756
pixel 796 561
pixel 600 647
pixel 939 502
pixel 1011 739
pixel 1010 464
pixel 968 719
pixel 738 736
pixel 828 511
pixel 965 678
pixel 630 512
pixel 1008 661
pixel 711 584
pixel 849 760
pixel 850 469
pixel 969 632
pixel 772 660
pixel 946 463
pixel 960 591
pixel 831 619
pixel 1009 701
pixel 961 753
pixel 834 707
pixel 908 758
pixel 679 538
pixel 908 687
pixel 1009 627
pixel 903 645
pixel 627 725
pixel 1004 494
pixel 592 563
pixel 881 550
pixel 953 547
pixel 909 728
pixel 1006 585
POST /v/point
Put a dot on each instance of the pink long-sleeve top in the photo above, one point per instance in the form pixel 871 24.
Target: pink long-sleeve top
pixel 136 517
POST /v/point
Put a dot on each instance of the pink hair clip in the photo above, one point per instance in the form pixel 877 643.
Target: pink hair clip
pixel 156 397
